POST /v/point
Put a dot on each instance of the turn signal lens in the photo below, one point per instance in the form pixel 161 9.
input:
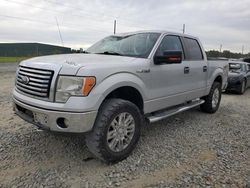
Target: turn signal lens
pixel 88 86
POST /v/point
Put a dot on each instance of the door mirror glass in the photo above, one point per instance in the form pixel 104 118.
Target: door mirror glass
pixel 168 57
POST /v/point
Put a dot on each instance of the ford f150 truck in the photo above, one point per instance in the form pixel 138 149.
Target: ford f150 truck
pixel 116 85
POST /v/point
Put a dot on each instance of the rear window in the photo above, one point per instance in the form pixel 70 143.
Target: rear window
pixel 236 67
pixel 193 49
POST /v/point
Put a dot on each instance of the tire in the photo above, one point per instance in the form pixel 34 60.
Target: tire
pixel 211 103
pixel 109 122
pixel 242 87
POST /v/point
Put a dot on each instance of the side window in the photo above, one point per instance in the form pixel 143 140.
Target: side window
pixel 248 67
pixel 169 43
pixel 193 49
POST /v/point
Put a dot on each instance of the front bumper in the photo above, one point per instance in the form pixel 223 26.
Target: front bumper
pixel 59 121
pixel 234 85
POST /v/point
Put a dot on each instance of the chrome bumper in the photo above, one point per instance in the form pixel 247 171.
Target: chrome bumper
pixel 74 122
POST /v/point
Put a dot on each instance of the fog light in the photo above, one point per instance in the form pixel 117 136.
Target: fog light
pixel 62 123
pixel 66 122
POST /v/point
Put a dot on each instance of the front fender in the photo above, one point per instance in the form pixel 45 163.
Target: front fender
pixel 115 81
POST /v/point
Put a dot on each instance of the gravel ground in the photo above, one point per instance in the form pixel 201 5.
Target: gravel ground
pixel 192 149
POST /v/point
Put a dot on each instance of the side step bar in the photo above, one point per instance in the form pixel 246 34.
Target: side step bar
pixel 162 115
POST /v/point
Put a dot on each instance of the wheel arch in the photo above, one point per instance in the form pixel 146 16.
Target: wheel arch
pixel 216 77
pixel 129 93
pixel 125 86
pixel 219 79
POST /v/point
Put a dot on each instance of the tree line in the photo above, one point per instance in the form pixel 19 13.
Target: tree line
pixel 226 54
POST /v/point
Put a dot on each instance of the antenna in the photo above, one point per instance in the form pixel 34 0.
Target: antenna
pixel 114 27
pixel 59 32
pixel 242 49
pixel 183 28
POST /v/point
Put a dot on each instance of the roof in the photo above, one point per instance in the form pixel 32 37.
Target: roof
pixel 154 31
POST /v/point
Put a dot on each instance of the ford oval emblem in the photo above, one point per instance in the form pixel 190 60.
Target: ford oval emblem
pixel 25 79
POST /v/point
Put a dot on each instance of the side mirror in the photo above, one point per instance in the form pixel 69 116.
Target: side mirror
pixel 168 57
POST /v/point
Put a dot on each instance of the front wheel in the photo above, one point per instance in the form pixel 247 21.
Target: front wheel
pixel 116 130
pixel 212 100
pixel 242 87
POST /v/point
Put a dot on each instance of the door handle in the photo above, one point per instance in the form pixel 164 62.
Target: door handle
pixel 204 68
pixel 186 70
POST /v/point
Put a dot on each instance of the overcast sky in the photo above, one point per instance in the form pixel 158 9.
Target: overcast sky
pixel 82 23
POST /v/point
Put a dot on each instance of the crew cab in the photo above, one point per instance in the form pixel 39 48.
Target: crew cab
pixel 114 87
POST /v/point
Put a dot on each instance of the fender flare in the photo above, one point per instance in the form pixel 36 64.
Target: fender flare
pixel 216 74
pixel 118 80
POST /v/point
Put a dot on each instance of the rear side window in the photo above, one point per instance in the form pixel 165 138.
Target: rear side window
pixel 193 49
pixel 169 43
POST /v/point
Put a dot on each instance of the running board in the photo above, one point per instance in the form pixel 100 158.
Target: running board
pixel 162 115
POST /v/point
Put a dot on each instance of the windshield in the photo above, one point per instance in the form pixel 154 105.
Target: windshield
pixel 235 67
pixel 136 45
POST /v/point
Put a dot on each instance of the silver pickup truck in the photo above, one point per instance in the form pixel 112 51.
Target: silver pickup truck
pixel 112 89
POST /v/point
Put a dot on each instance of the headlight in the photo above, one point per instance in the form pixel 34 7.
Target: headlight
pixel 73 86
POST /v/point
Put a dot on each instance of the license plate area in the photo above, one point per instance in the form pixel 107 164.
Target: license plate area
pixel 40 118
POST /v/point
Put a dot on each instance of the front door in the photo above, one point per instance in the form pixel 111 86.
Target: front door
pixel 168 81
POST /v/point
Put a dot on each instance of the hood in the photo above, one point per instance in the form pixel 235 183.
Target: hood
pixel 70 63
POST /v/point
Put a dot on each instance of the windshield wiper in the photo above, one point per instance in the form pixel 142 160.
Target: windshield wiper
pixel 110 53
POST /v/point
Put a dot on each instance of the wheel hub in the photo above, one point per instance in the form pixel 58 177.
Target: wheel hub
pixel 121 132
pixel 215 98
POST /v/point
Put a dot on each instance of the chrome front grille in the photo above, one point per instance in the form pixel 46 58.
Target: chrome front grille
pixel 35 82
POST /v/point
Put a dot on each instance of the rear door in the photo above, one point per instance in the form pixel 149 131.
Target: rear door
pixel 197 65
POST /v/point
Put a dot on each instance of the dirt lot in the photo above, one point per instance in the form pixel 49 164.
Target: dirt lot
pixel 192 149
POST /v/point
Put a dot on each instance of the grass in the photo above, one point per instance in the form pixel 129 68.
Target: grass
pixel 12 59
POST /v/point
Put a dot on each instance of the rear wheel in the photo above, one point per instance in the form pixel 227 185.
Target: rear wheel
pixel 116 131
pixel 212 100
pixel 242 87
